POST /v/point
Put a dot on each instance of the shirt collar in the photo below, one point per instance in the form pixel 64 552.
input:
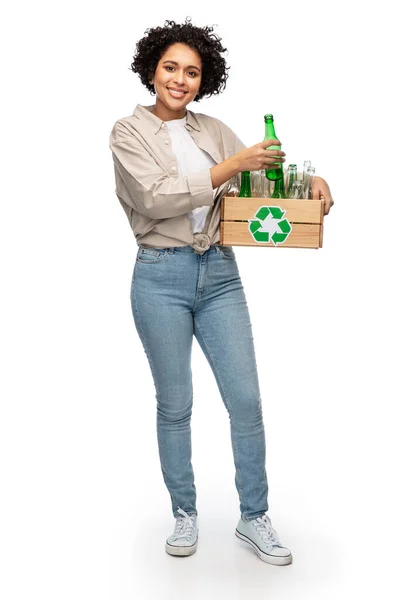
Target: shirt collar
pixel 145 113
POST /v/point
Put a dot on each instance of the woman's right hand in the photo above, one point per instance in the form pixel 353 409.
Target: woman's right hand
pixel 257 157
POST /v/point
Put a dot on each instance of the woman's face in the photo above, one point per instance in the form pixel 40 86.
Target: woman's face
pixel 180 68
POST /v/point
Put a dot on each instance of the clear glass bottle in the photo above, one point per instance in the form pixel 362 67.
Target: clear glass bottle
pixel 256 185
pixel 296 190
pixel 266 185
pixel 233 189
pixel 309 182
pixel 292 176
pixel 307 165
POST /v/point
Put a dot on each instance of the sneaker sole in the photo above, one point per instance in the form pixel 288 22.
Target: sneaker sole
pixel 268 558
pixel 180 550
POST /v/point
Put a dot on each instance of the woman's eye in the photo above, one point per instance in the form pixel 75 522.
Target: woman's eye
pixel 169 67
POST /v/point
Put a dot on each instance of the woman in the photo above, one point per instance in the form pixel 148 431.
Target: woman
pixel 172 166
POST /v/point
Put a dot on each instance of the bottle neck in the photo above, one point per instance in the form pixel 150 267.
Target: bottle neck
pixel 245 191
pixel 270 131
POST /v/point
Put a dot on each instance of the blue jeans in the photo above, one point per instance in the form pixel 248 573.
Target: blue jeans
pixel 176 294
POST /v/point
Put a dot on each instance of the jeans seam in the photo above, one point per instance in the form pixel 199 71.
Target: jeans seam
pixel 145 345
pixel 226 400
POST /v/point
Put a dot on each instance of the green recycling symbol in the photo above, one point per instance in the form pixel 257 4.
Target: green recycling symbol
pixel 269 224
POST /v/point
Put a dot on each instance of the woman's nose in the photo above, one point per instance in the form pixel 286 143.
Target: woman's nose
pixel 179 78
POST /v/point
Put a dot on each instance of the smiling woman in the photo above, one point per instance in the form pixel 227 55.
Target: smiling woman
pixel 176 81
pixel 182 58
pixel 172 168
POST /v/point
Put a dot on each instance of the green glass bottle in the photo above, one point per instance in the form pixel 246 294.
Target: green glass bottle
pixel 278 191
pixel 276 174
pixel 245 191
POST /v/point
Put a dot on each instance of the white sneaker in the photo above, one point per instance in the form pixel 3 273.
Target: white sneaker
pixel 261 535
pixel 184 539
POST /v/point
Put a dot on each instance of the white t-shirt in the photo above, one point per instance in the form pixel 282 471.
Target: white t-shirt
pixel 190 159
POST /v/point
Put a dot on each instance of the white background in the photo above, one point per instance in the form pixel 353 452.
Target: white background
pixel 84 510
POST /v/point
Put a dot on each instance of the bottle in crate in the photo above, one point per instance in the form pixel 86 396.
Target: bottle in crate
pixel 292 177
pixel 309 179
pixel 306 166
pixel 245 191
pixel 233 189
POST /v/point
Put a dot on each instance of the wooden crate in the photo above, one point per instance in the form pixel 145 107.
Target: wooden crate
pixel 304 217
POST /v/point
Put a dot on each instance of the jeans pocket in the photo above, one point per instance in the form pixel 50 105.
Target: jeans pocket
pixel 226 252
pixel 150 255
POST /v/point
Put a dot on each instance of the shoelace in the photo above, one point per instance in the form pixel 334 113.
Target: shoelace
pixel 184 525
pixel 266 531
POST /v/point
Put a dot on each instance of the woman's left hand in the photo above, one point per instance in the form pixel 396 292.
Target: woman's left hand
pixel 321 190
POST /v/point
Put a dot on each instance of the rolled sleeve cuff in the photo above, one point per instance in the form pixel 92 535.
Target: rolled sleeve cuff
pixel 200 187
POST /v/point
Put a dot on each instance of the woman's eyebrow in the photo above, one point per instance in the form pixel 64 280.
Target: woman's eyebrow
pixel 175 63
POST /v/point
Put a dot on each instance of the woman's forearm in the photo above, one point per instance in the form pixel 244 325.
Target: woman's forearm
pixel 223 171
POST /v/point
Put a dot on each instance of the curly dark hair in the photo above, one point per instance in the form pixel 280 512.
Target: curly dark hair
pixel 150 49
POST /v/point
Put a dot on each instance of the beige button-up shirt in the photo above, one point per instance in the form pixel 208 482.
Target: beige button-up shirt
pixel 155 199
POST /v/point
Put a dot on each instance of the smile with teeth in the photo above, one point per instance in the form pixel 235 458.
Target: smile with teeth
pixel 176 94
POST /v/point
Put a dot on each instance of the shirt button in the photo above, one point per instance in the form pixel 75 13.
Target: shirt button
pixel 166 142
pixel 163 125
pixel 173 168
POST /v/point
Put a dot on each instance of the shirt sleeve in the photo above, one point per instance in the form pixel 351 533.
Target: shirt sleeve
pixel 145 186
pixel 239 145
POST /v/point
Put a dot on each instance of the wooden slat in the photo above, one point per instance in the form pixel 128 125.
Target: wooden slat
pixel 302 236
pixel 298 211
